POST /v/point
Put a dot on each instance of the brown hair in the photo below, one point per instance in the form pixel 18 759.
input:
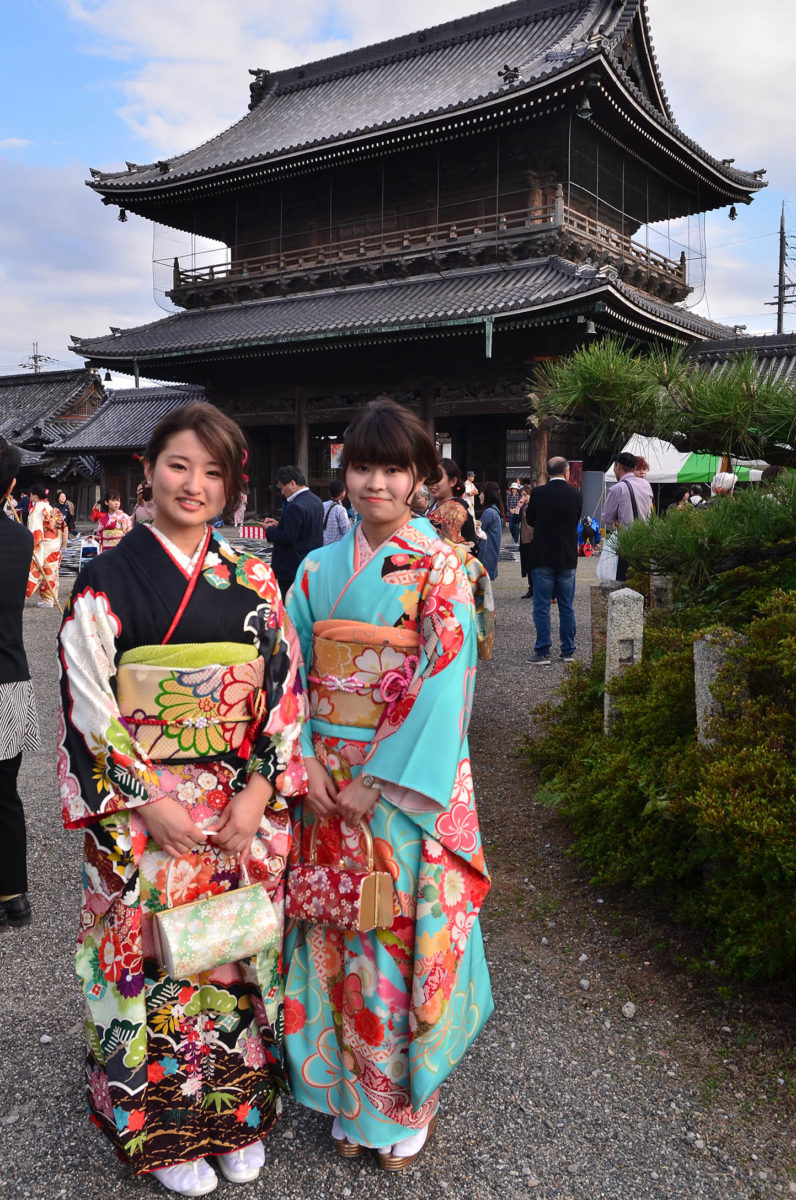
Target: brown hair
pixel 219 435
pixel 492 496
pixel 386 433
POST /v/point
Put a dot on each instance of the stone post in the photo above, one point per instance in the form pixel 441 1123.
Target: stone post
pixel 624 641
pixel 598 599
pixel 661 591
pixel 710 657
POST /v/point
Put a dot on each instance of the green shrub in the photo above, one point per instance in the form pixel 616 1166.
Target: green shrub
pixel 708 832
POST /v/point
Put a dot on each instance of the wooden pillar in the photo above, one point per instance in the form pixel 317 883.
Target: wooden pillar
pixel 428 407
pixel 302 433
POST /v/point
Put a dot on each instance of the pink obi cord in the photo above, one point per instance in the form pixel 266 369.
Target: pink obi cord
pixel 393 685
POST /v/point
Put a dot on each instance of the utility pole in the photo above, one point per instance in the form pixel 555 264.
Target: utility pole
pixel 34 362
pixel 783 283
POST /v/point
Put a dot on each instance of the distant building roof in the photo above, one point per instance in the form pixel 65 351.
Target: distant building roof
pixel 38 408
pixel 532 290
pixel 127 418
pixel 417 79
pixel 775 353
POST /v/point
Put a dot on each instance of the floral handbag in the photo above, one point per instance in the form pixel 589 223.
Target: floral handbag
pixel 216 929
pixel 348 898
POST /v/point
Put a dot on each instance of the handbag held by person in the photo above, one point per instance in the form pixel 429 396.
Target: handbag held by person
pixel 348 898
pixel 215 929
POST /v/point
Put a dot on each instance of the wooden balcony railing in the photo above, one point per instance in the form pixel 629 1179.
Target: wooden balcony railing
pixel 423 240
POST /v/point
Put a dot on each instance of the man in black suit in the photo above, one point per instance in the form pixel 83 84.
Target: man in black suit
pixel 554 511
pixel 300 528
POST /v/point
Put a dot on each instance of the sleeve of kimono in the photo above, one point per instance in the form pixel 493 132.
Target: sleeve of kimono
pixel 420 739
pixel 101 768
pixel 298 606
pixel 276 753
pixel 36 527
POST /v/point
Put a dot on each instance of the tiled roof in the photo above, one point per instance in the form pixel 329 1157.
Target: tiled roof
pixel 431 301
pixel 126 419
pixel 30 403
pixel 448 68
pixel 775 353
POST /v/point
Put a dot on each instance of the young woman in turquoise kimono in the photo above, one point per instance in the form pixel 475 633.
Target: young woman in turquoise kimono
pixel 178 739
pixel 375 1021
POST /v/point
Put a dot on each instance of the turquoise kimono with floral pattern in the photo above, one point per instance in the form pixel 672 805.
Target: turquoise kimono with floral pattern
pixel 375 1021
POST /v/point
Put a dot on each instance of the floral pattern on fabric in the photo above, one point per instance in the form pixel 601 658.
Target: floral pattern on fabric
pixel 45 523
pixel 176 1068
pixel 374 1022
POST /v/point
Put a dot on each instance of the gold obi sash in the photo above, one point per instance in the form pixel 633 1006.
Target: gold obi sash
pixel 192 701
pixel 358 671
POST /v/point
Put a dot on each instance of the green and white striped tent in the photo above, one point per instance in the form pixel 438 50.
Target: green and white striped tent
pixel 669 465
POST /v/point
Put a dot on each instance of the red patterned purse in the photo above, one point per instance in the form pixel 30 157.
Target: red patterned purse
pixel 347 898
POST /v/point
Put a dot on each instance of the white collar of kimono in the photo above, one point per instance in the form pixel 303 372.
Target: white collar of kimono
pixel 181 559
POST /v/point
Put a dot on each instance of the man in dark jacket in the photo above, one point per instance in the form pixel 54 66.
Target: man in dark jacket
pixel 554 512
pixel 300 528
pixel 18 723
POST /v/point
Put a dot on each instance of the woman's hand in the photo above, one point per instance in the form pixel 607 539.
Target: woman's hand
pixel 171 827
pixel 355 801
pixel 235 828
pixel 322 794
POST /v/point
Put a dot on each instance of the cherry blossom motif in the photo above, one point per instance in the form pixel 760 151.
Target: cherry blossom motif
pixel 372 664
pixel 460 929
pixel 463 783
pixel 458 828
pixel 320 706
pixel 341 1096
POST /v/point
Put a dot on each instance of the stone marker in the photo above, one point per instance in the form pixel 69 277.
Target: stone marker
pixel 624 640
pixel 710 657
pixel 661 591
pixel 598 598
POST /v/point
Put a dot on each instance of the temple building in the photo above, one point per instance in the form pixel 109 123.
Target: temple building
pixel 432 218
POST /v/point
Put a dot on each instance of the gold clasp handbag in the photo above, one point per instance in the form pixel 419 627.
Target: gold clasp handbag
pixel 347 898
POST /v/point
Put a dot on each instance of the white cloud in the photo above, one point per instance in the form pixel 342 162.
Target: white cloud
pixel 68 266
pixel 193 56
pixel 14 143
pixel 181 77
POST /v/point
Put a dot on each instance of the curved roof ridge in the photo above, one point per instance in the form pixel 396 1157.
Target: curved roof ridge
pixel 457 31
pixel 410 45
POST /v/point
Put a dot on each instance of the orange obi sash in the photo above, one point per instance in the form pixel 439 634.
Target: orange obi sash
pixel 358 671
pixel 192 709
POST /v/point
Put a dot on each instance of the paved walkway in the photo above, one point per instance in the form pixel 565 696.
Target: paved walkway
pixel 560 1097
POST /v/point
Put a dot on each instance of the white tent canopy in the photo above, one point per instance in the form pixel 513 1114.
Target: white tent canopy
pixel 669 465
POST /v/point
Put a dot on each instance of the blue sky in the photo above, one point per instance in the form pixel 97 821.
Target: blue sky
pixel 94 82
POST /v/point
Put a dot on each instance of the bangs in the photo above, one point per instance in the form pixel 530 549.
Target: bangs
pixel 379 439
pixel 387 434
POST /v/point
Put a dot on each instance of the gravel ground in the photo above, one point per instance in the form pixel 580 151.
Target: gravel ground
pixel 562 1096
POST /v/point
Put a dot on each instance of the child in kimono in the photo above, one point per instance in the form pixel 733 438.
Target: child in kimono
pixel 375 1021
pixel 181 710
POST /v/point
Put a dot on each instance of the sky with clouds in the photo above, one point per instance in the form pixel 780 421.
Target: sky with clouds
pixel 96 82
